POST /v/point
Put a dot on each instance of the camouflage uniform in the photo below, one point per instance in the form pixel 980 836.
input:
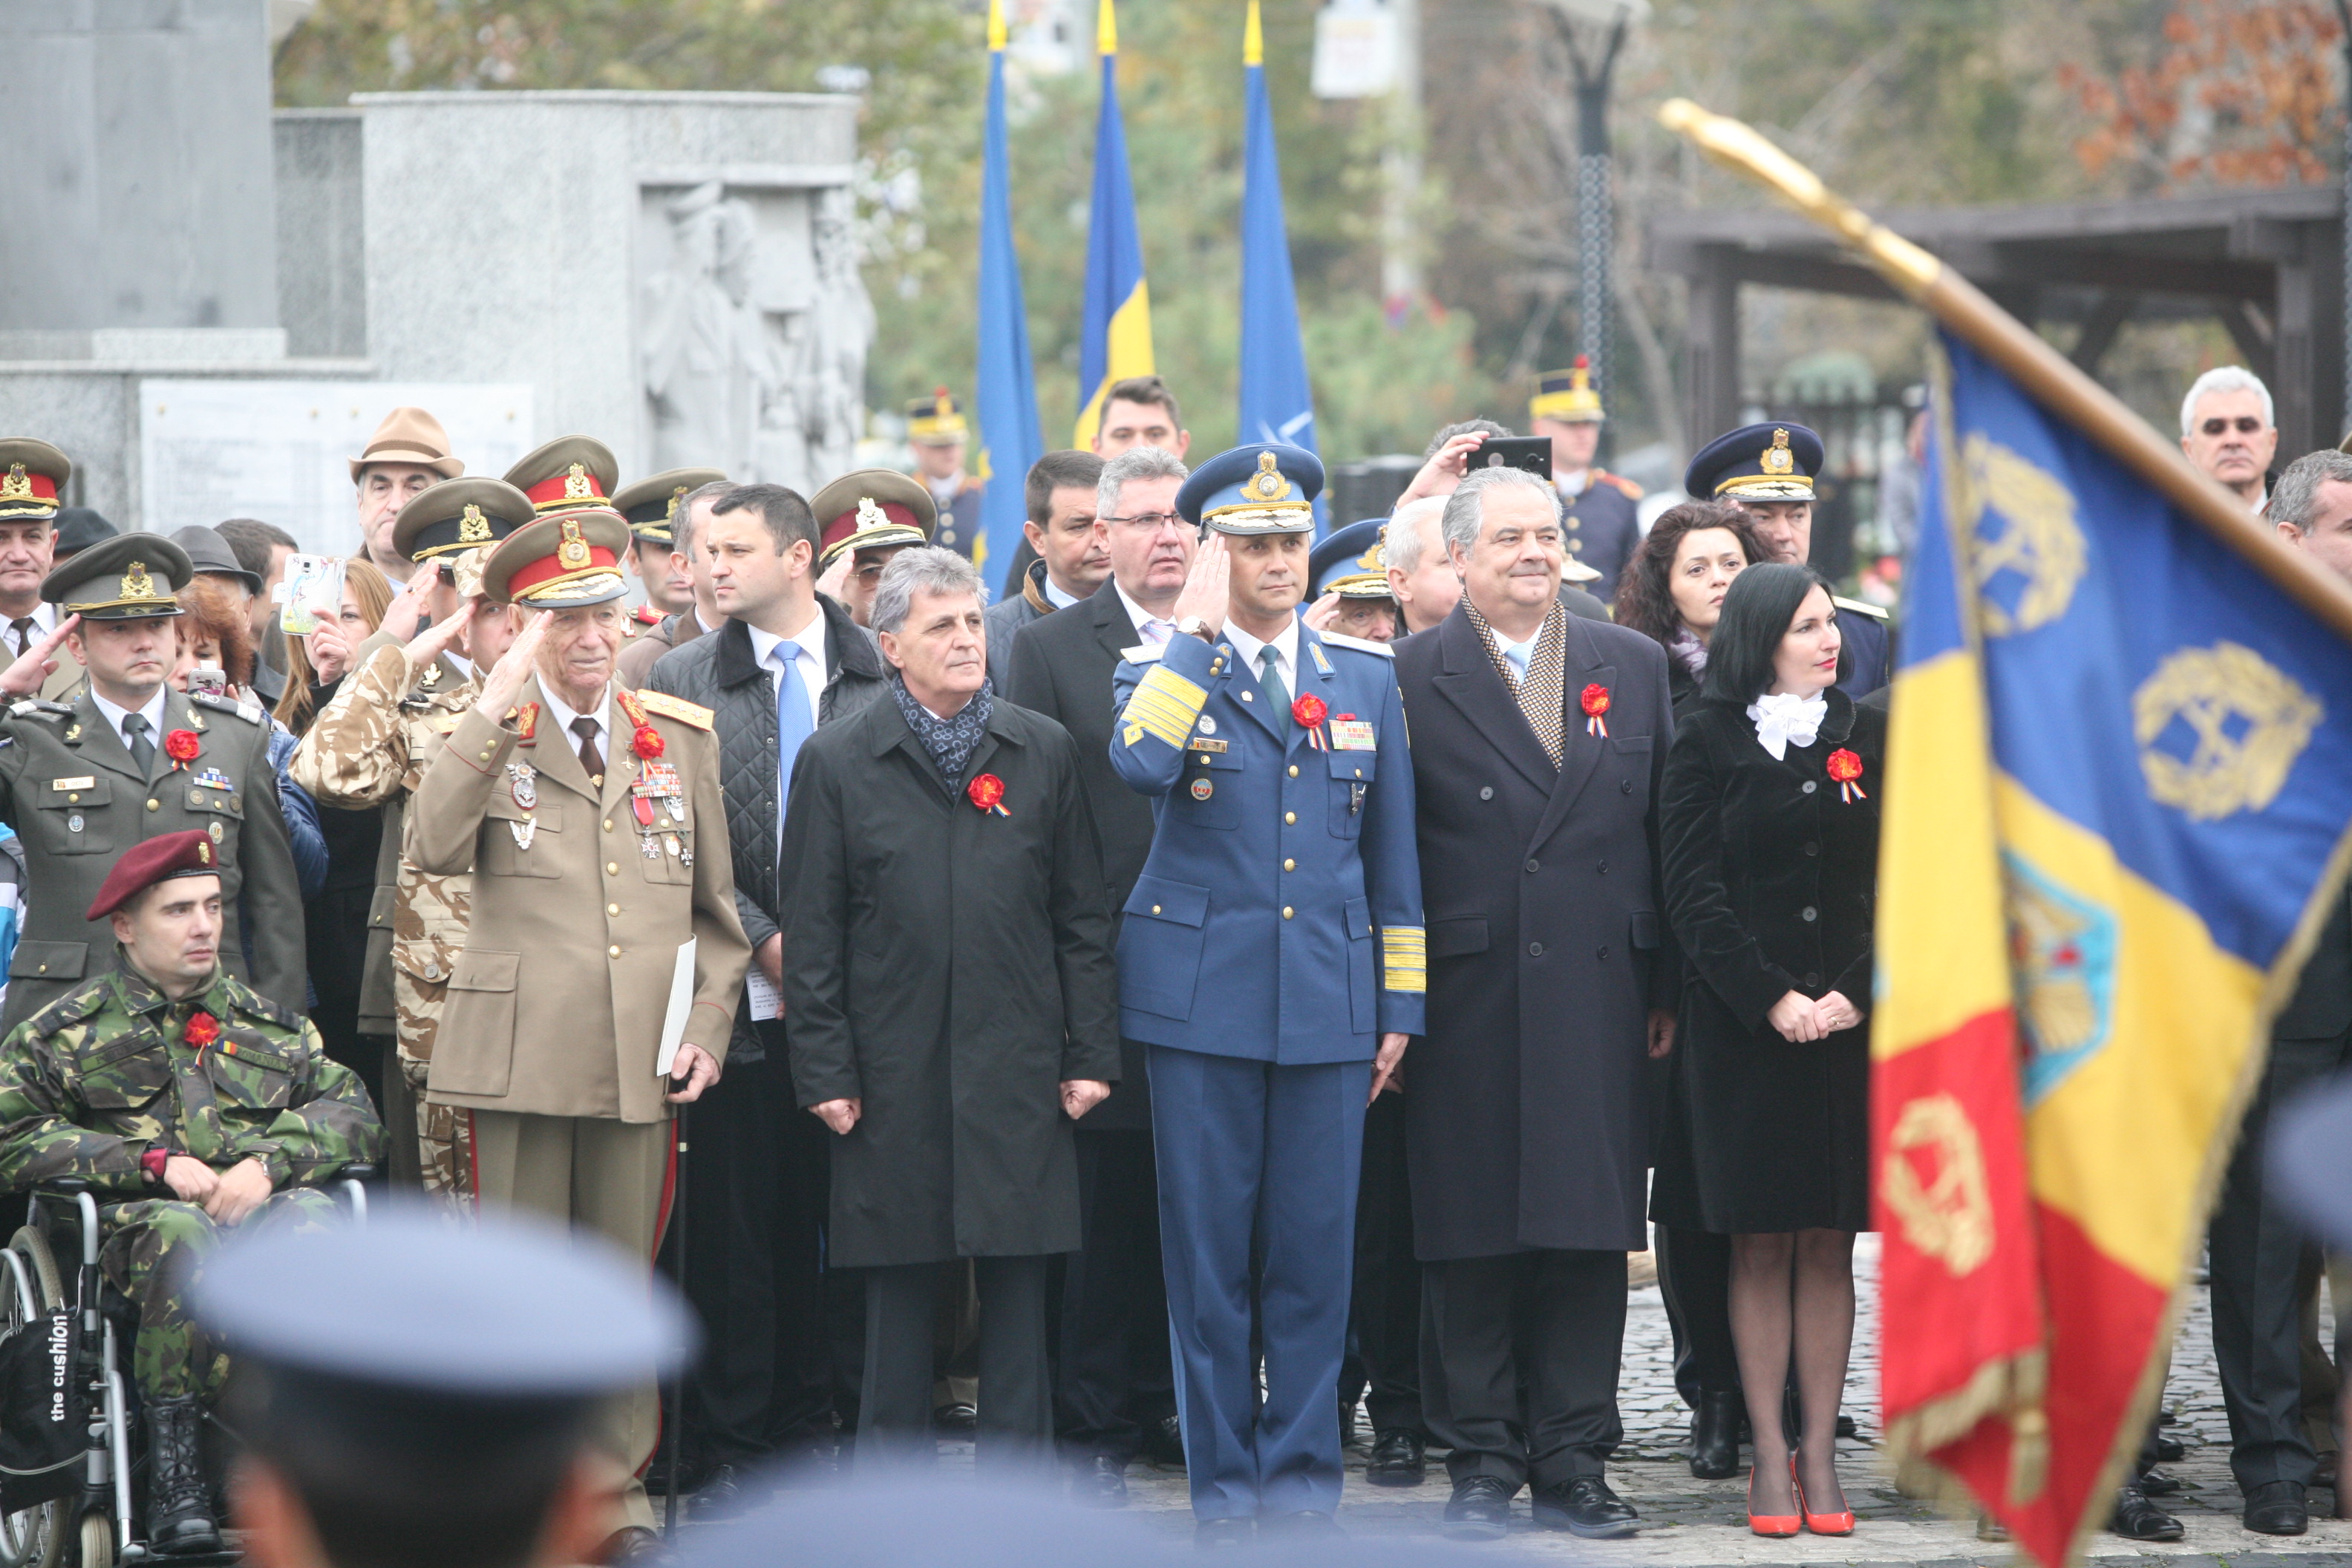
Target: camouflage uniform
pixel 97 1078
pixel 370 747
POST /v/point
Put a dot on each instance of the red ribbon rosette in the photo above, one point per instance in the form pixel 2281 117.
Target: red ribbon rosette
pixel 1846 768
pixel 181 746
pixel 1595 702
pixel 987 793
pixel 646 743
pixel 200 1031
pixel 1310 712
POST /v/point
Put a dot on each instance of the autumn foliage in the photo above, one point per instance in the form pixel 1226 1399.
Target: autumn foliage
pixel 2242 93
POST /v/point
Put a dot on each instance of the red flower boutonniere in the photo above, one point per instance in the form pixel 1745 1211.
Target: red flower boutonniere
pixel 200 1031
pixel 181 746
pixel 1308 711
pixel 646 743
pixel 1846 768
pixel 1595 702
pixel 987 793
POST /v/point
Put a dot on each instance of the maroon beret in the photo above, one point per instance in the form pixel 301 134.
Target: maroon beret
pixel 189 854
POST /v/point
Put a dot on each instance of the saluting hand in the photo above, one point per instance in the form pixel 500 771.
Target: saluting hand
pixel 1322 612
pixel 1207 586
pixel 38 662
pixel 430 643
pixel 504 683
pixel 836 575
pixel 412 611
pixel 1442 475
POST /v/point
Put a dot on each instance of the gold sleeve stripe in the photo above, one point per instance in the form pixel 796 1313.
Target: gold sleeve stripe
pixel 1404 958
pixel 1163 707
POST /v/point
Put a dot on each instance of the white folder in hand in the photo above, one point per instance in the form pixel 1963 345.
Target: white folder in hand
pixel 681 1003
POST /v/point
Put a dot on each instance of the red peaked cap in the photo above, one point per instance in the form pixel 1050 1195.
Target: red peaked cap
pixel 188 854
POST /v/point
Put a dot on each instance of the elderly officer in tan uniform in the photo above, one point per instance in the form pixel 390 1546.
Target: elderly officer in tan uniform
pixel 370 747
pixel 127 760
pixel 591 818
pixel 32 475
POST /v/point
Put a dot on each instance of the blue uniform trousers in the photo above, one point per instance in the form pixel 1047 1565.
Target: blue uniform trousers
pixel 1254 1149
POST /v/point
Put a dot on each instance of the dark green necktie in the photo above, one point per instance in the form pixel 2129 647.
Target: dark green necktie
pixel 134 734
pixel 1269 677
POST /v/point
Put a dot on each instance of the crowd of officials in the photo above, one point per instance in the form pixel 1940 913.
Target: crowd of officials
pixel 1229 982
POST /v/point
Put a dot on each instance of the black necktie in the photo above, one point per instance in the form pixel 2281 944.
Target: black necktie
pixel 585 728
pixel 134 734
pixel 26 629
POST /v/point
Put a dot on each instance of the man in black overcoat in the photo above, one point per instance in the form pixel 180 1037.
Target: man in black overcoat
pixel 1539 742
pixel 1115 1392
pixel 949 979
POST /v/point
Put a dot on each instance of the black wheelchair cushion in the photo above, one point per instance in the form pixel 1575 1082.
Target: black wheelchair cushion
pixel 44 1411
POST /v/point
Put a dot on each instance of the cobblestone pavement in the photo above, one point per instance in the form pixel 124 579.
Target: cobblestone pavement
pixel 1694 1522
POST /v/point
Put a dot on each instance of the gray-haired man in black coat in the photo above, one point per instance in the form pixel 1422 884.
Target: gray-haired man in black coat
pixel 1539 740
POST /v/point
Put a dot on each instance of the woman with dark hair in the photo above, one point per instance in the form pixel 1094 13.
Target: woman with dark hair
pixel 1673 588
pixel 1769 829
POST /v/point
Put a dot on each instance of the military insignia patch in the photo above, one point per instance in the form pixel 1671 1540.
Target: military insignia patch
pixel 1203 789
pixel 576 485
pixel 473 528
pixel 1267 484
pixel 213 831
pixel 18 485
pixel 137 585
pixel 573 550
pixel 1777 460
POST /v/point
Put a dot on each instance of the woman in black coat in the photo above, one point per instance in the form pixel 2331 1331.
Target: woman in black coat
pixel 1671 590
pixel 1769 835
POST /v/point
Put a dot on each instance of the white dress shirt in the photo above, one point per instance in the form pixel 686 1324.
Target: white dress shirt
pixel 44 616
pixel 807 645
pixel 1247 649
pixel 1055 596
pixel 153 713
pixel 1153 629
pixel 562 713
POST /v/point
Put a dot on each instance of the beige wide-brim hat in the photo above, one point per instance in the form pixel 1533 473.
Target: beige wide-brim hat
pixel 409 436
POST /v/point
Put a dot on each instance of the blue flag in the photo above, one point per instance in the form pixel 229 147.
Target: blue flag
pixel 1276 404
pixel 1004 397
pixel 1115 343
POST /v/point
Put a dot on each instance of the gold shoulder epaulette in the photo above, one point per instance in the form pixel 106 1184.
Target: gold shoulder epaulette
pixel 1632 491
pixel 1875 612
pixel 677 708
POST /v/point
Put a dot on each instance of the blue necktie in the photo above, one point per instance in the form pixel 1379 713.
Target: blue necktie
pixel 793 723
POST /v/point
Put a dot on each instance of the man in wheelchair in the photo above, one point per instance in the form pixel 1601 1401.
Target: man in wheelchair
pixel 192 1104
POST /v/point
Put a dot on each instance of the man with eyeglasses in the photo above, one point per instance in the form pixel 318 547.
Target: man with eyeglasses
pixel 2229 428
pixel 1114 1394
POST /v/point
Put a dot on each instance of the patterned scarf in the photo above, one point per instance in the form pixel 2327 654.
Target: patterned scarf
pixel 1689 651
pixel 1543 696
pixel 949 741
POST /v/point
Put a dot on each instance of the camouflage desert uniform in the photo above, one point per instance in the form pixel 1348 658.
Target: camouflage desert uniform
pixel 370 747
pixel 99 1077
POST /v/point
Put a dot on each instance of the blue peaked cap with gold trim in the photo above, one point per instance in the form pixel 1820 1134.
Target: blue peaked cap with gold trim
pixel 1264 488
pixel 1756 462
pixel 1350 562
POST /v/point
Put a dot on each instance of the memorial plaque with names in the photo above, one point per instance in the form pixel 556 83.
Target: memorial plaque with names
pixel 281 451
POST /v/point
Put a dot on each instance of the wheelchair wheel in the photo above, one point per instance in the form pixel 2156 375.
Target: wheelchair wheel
pixel 97 1541
pixel 35 1537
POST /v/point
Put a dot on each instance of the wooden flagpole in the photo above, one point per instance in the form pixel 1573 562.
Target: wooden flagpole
pixel 2048 376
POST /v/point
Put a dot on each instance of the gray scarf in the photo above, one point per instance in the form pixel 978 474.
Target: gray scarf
pixel 949 743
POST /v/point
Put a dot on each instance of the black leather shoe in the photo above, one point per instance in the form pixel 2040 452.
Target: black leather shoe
pixel 1480 1509
pixel 2277 1508
pixel 955 1420
pixel 1347 1422
pixel 2156 1483
pixel 1847 1429
pixel 2169 1451
pixel 1163 1443
pixel 1585 1507
pixel 1307 1525
pixel 1222 1534
pixel 1714 1435
pixel 633 1546
pixel 180 1521
pixel 1101 1482
pixel 1397 1458
pixel 2137 1519
pixel 723 1494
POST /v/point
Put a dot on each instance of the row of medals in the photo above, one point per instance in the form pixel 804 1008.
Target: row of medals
pixel 657 801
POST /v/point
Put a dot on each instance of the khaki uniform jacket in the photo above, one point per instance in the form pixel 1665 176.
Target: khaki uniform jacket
pixel 635 667
pixel 370 747
pixel 575 1030
pixel 68 787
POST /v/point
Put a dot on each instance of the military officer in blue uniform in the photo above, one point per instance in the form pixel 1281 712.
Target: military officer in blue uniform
pixel 1598 510
pixel 1769 471
pixel 1273 962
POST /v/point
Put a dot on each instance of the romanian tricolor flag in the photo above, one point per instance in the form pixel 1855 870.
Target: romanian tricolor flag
pixel 1116 341
pixel 2119 775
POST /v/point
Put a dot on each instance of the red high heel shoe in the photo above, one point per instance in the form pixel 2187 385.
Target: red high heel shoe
pixel 1771 1524
pixel 1819 1523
